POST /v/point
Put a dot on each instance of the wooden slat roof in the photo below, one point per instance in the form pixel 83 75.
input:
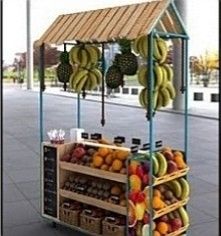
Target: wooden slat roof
pixel 109 24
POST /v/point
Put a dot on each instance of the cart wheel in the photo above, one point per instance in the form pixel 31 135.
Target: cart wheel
pixel 54 224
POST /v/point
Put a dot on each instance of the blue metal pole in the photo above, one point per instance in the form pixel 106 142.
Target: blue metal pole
pixel 78 111
pixel 150 117
pixel 42 88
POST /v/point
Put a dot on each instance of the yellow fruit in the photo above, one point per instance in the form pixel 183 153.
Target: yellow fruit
pixel 157 193
pixel 140 210
pixel 103 151
pixel 162 227
pixel 117 165
pixel 157 203
pixel 121 155
pixel 97 161
pixel 135 183
pixel 109 159
pixel 104 167
pixel 156 233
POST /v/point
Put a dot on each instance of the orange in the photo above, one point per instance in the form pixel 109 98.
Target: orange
pixel 162 227
pixel 156 193
pixel 102 151
pixel 104 167
pixel 117 165
pixel 121 155
pixel 109 159
pixel 97 161
pixel 156 233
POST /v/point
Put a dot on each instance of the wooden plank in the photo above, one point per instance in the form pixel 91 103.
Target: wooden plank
pixel 87 25
pixel 161 27
pixel 105 35
pixel 149 8
pixel 130 24
pixel 46 33
pixel 124 19
pixel 151 19
pixel 94 202
pixel 94 25
pixel 76 26
pixel 63 29
pixel 93 172
pixel 70 24
pixel 105 23
pixel 57 28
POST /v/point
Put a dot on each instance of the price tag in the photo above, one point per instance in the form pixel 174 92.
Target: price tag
pixel 134 149
pixel 94 137
pixel 146 146
pixel 84 135
pixel 99 136
pixel 159 143
pixel 136 141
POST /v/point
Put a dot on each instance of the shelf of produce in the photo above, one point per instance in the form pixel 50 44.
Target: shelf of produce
pixel 170 208
pixel 169 177
pixel 179 232
pixel 94 202
pixel 121 178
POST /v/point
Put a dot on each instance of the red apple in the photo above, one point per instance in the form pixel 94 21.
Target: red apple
pixel 145 179
pixel 176 224
pixel 168 155
pixel 172 167
pixel 78 152
pixel 164 218
pixel 140 171
pixel 146 218
pixel 141 196
pixel 133 196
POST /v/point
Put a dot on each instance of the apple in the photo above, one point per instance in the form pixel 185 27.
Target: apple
pixel 176 224
pixel 141 197
pixel 145 180
pixel 146 166
pixel 168 155
pixel 164 218
pixel 133 196
pixel 146 218
pixel 140 171
pixel 78 152
pixel 172 167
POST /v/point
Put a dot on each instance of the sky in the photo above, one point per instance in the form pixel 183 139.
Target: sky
pixel 202 21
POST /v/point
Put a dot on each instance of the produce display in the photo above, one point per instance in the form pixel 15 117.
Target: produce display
pixel 104 190
pixel 87 76
pixel 101 158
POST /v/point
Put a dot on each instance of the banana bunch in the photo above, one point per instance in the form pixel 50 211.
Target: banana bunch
pixel 180 187
pixel 86 56
pixel 182 214
pixel 164 90
pixel 85 79
pixel 160 48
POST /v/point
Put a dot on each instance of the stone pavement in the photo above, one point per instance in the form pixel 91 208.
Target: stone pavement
pixel 22 160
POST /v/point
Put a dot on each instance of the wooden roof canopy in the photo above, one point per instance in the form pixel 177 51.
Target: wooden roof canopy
pixel 110 24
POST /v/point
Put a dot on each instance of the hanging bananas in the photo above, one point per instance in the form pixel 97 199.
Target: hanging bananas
pixel 88 76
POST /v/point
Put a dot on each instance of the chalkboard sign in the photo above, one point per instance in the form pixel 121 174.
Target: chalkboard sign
pixel 84 135
pixel 136 141
pixel 159 143
pixel 134 149
pixel 50 181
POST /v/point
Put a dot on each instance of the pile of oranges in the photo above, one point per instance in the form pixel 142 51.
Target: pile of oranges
pixel 110 160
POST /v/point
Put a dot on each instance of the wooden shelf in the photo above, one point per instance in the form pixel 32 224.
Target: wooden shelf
pixel 94 202
pixel 180 231
pixel 170 208
pixel 169 177
pixel 93 172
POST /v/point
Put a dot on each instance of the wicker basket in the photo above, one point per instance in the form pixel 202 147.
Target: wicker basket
pixel 90 223
pixel 111 228
pixel 68 215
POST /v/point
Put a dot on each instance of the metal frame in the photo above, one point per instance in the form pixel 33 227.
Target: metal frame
pixel 150 111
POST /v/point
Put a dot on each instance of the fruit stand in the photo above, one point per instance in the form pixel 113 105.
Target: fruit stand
pixel 103 187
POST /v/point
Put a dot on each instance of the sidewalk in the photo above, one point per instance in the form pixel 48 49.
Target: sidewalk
pixel 22 155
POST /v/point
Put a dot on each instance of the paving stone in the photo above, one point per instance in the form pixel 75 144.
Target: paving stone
pixel 28 175
pixel 18 213
pixel 33 229
pixel 207 203
pixel 31 190
pixel 11 193
pixel 205 229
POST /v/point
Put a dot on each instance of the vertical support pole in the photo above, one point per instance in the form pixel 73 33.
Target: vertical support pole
pixel 29 58
pixel 65 84
pixel 150 117
pixel 103 88
pixel 185 70
pixel 78 110
pixel 42 88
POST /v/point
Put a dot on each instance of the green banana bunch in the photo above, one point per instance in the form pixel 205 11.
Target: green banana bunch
pixel 85 79
pixel 86 56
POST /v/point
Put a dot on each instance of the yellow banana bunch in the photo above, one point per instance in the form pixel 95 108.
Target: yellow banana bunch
pixel 86 56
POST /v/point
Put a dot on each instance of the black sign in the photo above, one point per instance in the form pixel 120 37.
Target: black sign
pixel 84 135
pixel 119 139
pixel 50 181
pixel 136 141
pixel 134 149
pixel 159 143
pixel 96 136
pixel 146 146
